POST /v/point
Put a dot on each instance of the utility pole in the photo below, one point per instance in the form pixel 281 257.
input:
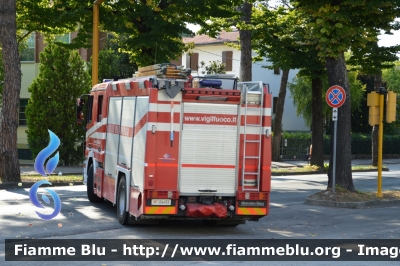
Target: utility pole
pixel 95 42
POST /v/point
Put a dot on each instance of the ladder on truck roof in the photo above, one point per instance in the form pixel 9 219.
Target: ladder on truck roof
pixel 251 90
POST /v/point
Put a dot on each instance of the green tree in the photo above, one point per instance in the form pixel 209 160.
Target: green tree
pixel 241 18
pixel 35 15
pixel 336 26
pixel 371 60
pixel 246 62
pixel 1 74
pixel 62 79
pixel 9 165
pixel 150 31
pixel 301 92
pixel 392 77
pixel 215 67
pixel 113 63
pixel 279 36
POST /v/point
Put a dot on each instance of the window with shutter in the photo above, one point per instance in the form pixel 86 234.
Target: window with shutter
pixel 227 60
pixel 194 61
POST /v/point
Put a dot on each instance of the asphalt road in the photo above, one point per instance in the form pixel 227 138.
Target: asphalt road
pixel 289 218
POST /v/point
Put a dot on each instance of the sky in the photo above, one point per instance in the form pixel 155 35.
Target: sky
pixel 389 40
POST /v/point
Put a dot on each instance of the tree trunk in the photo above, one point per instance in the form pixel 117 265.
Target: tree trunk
pixel 245 44
pixel 277 127
pixel 375 129
pixel 9 165
pixel 317 139
pixel 337 75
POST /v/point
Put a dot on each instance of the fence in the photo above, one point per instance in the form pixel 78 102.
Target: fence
pixel 292 148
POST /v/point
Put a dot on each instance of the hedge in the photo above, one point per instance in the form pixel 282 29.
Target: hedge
pixel 298 143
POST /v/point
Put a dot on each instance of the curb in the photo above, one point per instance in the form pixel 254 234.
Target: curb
pixel 64 173
pixel 14 185
pixel 354 205
pixel 296 173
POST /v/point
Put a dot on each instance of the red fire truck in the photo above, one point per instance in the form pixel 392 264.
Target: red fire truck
pixel 164 146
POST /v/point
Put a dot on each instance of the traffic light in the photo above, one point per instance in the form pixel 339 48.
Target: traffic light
pixel 373 103
pixel 390 107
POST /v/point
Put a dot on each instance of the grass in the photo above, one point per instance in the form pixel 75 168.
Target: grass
pixel 306 168
pixel 52 178
pixel 314 168
pixel 343 195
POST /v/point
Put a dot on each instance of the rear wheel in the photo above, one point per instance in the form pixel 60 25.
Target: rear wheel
pixel 123 216
pixel 90 186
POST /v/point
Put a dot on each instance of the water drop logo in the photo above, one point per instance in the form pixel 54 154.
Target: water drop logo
pixel 45 153
pixel 50 167
pixel 35 201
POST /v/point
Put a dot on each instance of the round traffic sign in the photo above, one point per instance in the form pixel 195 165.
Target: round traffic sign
pixel 335 96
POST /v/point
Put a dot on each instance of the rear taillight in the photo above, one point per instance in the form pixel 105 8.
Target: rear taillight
pixel 252 196
pixel 156 194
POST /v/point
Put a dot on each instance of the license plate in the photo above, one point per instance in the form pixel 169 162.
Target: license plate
pixel 160 202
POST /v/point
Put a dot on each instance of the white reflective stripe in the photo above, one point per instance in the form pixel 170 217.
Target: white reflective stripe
pixel 157 107
pixel 114 86
pixel 254 130
pixel 96 126
pixel 267 112
pixel 153 107
pixel 163 96
pixel 127 85
pixel 98 135
pixel 137 161
pixel 250 111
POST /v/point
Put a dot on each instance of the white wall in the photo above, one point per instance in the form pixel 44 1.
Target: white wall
pixel 29 71
pixel 290 121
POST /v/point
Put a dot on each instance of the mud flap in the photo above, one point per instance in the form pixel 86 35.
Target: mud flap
pixel 196 210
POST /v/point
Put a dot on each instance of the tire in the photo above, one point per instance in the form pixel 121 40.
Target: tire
pixel 122 215
pixel 90 187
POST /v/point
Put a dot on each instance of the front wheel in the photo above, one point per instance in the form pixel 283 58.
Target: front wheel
pixel 123 216
pixel 90 187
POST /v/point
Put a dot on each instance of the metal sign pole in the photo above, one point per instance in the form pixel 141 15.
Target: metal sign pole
pixel 335 97
pixel 334 119
pixel 334 156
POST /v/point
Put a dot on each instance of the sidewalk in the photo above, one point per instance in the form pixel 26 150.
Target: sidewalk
pixel 392 164
pixel 27 167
